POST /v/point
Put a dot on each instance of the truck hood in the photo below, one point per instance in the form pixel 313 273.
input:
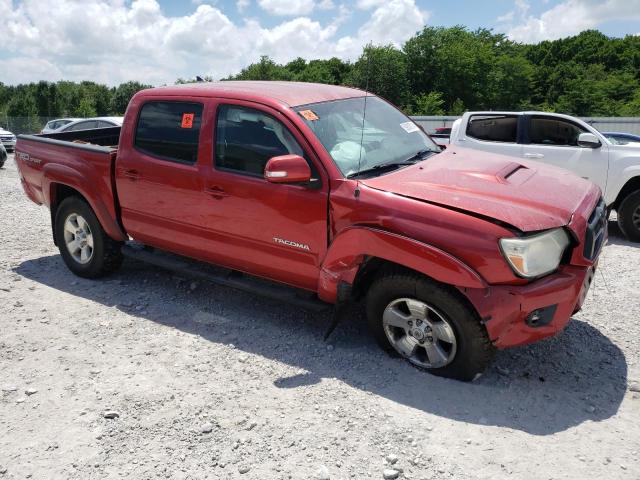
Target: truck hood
pixel 529 196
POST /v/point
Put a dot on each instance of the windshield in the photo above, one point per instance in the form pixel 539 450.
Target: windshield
pixel 388 136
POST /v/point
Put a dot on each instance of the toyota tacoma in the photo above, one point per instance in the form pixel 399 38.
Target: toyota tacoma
pixel 334 192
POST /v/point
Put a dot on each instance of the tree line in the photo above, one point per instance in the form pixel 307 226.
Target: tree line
pixel 437 71
pixel 450 70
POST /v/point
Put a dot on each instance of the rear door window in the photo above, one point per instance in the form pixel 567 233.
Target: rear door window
pixel 493 128
pixel 169 130
pixel 554 131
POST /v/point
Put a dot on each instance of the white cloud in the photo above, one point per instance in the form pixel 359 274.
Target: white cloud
pixel 289 8
pixel 393 21
pixel 326 5
pixel 112 41
pixel 564 19
pixel 241 5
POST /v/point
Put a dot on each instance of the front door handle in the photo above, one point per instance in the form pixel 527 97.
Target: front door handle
pixel 533 155
pixel 131 174
pixel 216 192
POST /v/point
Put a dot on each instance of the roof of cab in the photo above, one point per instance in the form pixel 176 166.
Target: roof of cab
pixel 291 93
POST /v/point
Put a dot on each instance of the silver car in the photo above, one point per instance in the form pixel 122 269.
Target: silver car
pixel 91 123
pixel 53 125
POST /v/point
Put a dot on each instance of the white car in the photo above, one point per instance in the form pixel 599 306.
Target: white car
pixel 53 125
pixel 7 139
pixel 91 123
pixel 564 141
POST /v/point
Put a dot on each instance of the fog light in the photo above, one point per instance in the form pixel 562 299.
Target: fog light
pixel 541 316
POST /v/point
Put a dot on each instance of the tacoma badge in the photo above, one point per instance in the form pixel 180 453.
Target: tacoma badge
pixel 291 243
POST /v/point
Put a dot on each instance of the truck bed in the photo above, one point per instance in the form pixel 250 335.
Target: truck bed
pixel 106 137
pixel 83 160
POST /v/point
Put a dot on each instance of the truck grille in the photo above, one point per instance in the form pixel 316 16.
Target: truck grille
pixel 596 231
pixel 6 139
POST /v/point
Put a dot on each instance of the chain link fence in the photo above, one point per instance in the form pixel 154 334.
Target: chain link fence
pixel 18 125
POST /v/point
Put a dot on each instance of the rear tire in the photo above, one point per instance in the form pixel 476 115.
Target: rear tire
pixel 84 246
pixel 449 331
pixel 629 216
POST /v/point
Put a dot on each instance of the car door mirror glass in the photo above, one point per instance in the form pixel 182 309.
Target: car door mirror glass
pixel 588 140
pixel 287 169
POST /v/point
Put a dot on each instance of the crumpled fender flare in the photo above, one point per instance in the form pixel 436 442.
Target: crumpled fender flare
pixel 354 244
pixel 64 175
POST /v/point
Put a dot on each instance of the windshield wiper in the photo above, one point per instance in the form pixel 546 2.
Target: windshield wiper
pixel 420 155
pixel 412 160
pixel 377 168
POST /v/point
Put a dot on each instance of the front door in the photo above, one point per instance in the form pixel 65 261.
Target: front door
pixel 554 140
pixel 277 231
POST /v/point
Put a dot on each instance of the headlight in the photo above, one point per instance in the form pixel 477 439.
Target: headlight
pixel 535 255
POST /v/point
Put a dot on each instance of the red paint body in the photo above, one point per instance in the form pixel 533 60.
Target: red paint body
pixel 442 217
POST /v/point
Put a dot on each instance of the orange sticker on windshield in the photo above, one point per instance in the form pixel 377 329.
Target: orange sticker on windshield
pixel 309 115
pixel 187 120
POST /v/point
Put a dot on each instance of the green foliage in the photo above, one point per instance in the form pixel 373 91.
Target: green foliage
pixel 383 70
pixel 265 69
pixel 437 71
pixel 428 104
pixel 86 108
pixel 122 95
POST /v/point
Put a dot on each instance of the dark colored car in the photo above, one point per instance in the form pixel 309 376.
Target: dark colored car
pixel 3 155
pixel 620 138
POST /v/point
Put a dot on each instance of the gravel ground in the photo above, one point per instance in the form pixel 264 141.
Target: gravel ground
pixel 146 375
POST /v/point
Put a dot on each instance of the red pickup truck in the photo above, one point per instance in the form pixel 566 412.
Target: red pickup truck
pixel 337 193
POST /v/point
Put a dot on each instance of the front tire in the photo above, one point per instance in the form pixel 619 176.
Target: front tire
pixel 84 246
pixel 629 216
pixel 429 324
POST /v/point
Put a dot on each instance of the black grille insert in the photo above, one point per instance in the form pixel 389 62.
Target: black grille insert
pixel 596 231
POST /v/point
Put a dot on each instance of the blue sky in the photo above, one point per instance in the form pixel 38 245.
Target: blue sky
pixel 473 14
pixel 157 41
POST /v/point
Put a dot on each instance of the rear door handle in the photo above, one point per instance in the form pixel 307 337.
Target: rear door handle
pixel 131 174
pixel 216 192
pixel 533 155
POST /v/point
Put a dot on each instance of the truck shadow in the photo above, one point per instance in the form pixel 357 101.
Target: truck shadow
pixel 540 389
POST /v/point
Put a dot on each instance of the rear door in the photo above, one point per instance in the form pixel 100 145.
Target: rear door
pixel 273 230
pixel 496 133
pixel 158 176
pixel 554 140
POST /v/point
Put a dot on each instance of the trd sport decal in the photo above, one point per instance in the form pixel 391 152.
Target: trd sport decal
pixel 291 243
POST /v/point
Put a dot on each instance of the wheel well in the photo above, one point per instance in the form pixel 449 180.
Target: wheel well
pixel 59 192
pixel 631 186
pixel 373 266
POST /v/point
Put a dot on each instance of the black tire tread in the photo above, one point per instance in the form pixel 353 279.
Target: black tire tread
pixel 482 350
pixel 111 257
pixel 625 211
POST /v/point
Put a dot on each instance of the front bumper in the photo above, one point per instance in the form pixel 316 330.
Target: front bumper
pixel 9 146
pixel 506 309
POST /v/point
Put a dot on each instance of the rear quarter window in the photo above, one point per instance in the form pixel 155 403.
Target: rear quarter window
pixel 169 130
pixel 493 128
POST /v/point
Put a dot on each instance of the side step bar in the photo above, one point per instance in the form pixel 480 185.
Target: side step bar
pixel 228 278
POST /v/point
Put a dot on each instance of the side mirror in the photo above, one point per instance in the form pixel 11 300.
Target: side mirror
pixel 588 140
pixel 287 169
